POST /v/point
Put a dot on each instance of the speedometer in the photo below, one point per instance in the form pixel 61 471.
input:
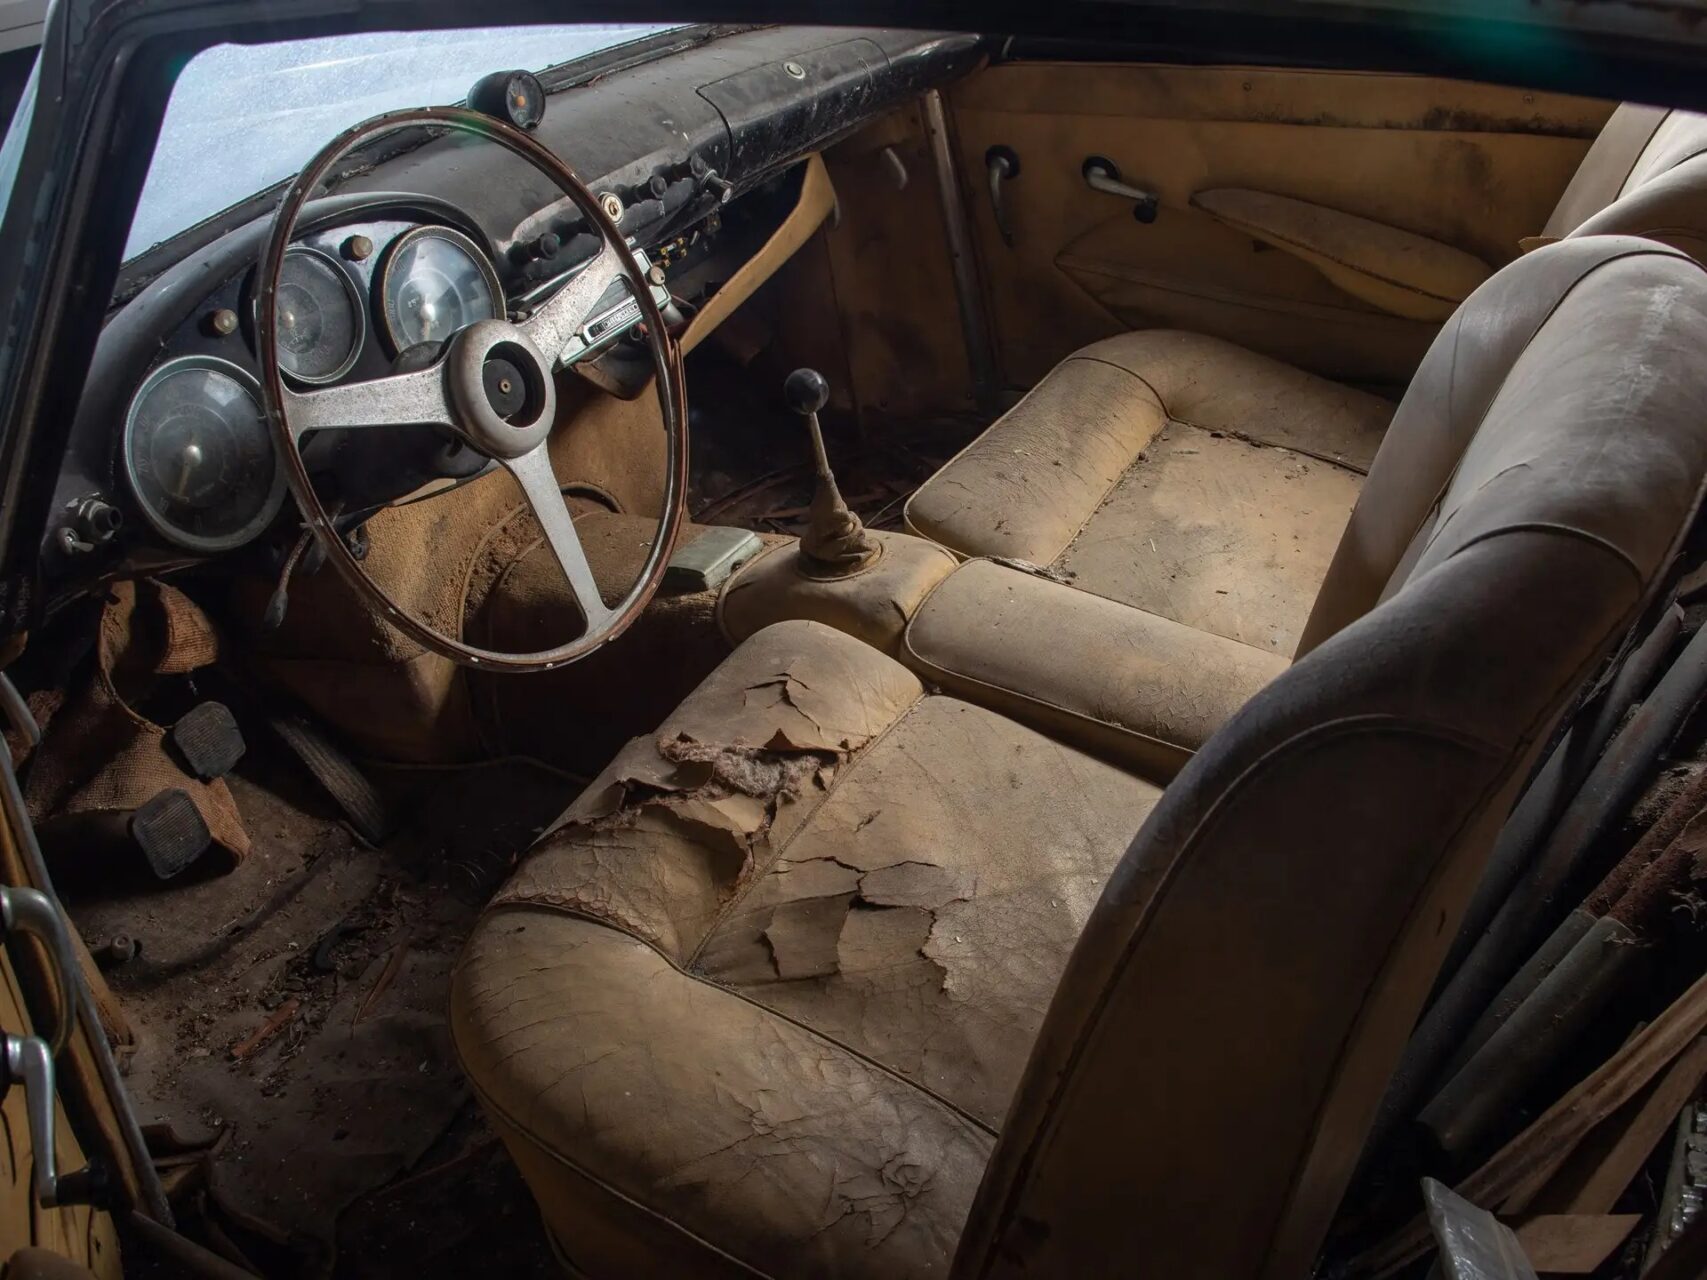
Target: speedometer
pixel 198 455
pixel 435 282
pixel 319 317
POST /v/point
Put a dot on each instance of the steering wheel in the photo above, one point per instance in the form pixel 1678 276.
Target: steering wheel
pixel 453 393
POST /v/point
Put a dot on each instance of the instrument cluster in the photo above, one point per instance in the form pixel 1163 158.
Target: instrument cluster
pixel 353 301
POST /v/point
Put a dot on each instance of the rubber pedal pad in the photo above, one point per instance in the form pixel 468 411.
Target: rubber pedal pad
pixel 208 739
pixel 171 832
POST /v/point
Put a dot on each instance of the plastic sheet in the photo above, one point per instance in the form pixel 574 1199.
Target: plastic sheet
pixel 1474 1245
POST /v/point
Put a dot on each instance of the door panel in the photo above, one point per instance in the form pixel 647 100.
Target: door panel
pixel 1472 167
pixel 76 1233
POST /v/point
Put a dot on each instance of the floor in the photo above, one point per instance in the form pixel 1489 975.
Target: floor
pixel 290 1046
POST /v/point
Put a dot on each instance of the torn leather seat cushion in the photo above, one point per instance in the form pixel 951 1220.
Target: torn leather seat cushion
pixel 1129 686
pixel 773 979
pixel 1170 471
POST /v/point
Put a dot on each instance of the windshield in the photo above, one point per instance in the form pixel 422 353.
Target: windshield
pixel 12 146
pixel 243 117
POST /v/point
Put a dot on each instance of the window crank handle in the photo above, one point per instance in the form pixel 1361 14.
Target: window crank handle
pixel 1101 175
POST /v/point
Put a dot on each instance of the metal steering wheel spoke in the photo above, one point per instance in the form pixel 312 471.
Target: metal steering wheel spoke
pixel 473 390
pixel 403 399
pixel 545 495
pixel 561 316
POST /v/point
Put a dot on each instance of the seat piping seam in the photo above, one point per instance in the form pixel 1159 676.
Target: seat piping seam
pixel 1547 527
pixel 486 1100
pixel 517 904
pixel 1316 735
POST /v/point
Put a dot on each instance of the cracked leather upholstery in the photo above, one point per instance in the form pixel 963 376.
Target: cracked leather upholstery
pixel 1173 472
pixel 782 963
pixel 838 976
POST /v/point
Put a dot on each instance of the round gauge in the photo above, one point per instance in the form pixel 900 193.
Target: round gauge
pixel 319 317
pixel 198 454
pixel 435 283
pixel 515 96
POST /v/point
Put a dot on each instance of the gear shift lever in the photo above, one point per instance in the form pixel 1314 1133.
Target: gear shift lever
pixel 835 543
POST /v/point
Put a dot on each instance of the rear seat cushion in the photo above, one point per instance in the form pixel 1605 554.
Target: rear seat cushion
pixel 1170 471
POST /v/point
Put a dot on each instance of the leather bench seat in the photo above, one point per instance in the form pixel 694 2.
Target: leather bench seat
pixel 1174 472
pixel 766 961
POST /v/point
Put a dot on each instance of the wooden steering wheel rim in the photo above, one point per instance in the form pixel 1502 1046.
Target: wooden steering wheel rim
pixel 666 359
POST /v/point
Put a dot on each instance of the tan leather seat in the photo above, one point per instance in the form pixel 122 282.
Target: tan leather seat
pixel 1207 485
pixel 1645 175
pixel 838 976
pixel 1170 471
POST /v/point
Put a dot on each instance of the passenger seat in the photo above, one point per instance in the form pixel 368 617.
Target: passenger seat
pixel 1208 485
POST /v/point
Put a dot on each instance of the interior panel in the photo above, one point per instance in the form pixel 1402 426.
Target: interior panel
pixel 1475 167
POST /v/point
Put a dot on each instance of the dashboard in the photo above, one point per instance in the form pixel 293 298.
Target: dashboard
pixel 358 299
pixel 698 153
pixel 353 299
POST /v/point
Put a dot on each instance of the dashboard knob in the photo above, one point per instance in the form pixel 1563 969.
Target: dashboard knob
pixel 539 249
pixel 806 391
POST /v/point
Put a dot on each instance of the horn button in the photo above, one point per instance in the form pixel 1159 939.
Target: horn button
pixel 501 388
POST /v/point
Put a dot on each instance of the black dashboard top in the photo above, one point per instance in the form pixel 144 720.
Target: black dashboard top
pixel 672 138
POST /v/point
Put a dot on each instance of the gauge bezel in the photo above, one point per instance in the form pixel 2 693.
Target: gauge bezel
pixel 382 282
pixel 358 308
pixel 161 525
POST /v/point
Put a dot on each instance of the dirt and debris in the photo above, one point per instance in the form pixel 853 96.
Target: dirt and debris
pixel 291 1014
pixel 267 1030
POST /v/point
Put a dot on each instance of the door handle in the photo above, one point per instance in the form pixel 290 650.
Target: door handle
pixel 1101 175
pixel 27 1061
pixel 1002 165
pixel 32 912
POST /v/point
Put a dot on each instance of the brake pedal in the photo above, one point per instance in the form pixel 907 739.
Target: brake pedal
pixel 208 739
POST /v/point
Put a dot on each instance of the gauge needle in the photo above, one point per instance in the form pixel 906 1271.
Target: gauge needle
pixel 189 460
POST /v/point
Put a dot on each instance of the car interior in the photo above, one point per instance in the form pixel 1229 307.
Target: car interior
pixel 861 652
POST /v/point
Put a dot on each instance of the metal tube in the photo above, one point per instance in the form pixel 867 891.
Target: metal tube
pixel 1560 1008
pixel 974 325
pixel 1606 794
pixel 136 1147
pixel 1547 958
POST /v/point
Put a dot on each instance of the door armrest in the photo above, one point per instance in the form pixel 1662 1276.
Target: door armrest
pixel 1398 271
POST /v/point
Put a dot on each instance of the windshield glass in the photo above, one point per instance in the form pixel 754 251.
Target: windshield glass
pixel 12 147
pixel 243 117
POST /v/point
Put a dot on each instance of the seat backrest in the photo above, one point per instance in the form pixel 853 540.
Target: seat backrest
pixel 1210 1065
pixel 1645 175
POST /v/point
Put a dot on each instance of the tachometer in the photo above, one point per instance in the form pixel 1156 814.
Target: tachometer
pixel 434 283
pixel 319 317
pixel 198 455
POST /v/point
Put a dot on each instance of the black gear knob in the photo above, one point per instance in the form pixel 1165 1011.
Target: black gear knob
pixel 806 391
